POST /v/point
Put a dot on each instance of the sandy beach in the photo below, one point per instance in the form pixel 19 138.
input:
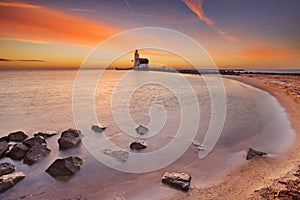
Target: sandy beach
pixel 258 179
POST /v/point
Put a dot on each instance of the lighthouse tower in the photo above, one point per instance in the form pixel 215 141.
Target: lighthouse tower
pixel 136 59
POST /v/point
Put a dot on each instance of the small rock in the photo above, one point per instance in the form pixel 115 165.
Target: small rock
pixel 142 130
pixel 45 134
pixel 253 153
pixel 36 153
pixel 34 140
pixel 137 145
pixel 18 151
pixel 177 180
pixel 98 129
pixel 4 146
pixel 9 180
pixel 119 155
pixel 69 138
pixel 65 166
pixel 18 136
pixel 6 168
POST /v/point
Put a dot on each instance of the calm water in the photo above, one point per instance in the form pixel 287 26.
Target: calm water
pixel 41 100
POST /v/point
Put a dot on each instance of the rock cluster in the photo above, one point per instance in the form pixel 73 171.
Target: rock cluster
pixel 34 149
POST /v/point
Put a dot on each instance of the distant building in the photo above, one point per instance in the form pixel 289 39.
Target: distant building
pixel 140 63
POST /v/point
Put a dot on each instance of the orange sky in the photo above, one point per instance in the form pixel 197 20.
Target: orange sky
pixel 63 36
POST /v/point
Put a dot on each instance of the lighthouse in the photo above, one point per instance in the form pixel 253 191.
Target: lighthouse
pixel 136 59
pixel 140 63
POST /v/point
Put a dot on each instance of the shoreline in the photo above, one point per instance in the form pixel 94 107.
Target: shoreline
pixel 245 181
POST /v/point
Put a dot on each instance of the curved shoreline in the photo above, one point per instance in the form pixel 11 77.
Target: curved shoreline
pixel 258 173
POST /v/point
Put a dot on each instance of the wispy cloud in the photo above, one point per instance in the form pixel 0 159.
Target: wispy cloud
pixel 26 40
pixel 197 7
pixel 22 20
pixel 82 10
pixel 23 60
pixel 128 6
pixel 18 5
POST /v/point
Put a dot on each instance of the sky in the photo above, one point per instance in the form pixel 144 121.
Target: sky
pixel 250 34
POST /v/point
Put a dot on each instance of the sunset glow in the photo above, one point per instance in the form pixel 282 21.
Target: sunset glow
pixel 235 35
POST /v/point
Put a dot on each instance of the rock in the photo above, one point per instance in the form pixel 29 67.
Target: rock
pixel 4 146
pixel 34 140
pixel 69 138
pixel 119 155
pixel 253 153
pixel 142 130
pixel 18 136
pixel 36 153
pixel 45 134
pixel 9 180
pixel 4 138
pixel 138 145
pixel 18 151
pixel 65 166
pixel 6 168
pixel 177 180
pixel 98 129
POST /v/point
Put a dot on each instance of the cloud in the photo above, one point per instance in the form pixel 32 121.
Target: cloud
pixel 128 6
pixel 197 7
pixel 82 10
pixel 17 5
pixel 21 20
pixel 23 60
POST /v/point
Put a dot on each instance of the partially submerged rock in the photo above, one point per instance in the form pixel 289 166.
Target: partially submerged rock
pixel 69 138
pixel 119 155
pixel 177 180
pixel 36 153
pixel 65 166
pixel 4 146
pixel 142 130
pixel 138 145
pixel 6 168
pixel 34 140
pixel 18 151
pixel 253 153
pixel 45 134
pixel 98 129
pixel 18 136
pixel 9 180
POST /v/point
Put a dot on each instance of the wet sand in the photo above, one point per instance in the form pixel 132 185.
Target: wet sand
pixel 260 173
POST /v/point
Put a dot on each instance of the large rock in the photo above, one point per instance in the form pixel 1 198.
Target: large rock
pixel 177 180
pixel 6 168
pixel 142 130
pixel 65 166
pixel 119 155
pixel 18 151
pixel 18 136
pixel 69 138
pixel 45 134
pixel 4 146
pixel 138 145
pixel 98 129
pixel 34 140
pixel 253 153
pixel 36 153
pixel 9 180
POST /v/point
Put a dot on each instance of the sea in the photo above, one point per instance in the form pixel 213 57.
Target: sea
pixel 185 115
